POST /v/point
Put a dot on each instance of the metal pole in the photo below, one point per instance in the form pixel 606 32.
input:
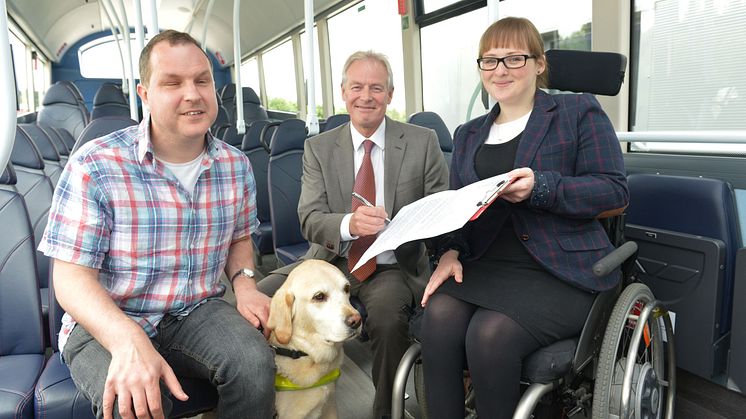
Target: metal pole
pixel 116 41
pixel 240 124
pixel 153 25
pixel 312 120
pixel 208 13
pixel 493 14
pixel 7 84
pixel 128 48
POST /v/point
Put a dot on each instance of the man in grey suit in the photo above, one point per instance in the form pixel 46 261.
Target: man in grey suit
pixel 407 164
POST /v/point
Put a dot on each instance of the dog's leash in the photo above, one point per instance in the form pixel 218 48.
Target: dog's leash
pixel 290 353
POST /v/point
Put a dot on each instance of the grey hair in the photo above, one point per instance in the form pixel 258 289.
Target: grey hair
pixel 372 56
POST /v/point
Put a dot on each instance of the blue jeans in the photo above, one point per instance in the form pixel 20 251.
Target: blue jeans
pixel 213 342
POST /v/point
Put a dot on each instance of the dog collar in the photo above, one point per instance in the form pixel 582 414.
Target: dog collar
pixel 290 353
pixel 283 383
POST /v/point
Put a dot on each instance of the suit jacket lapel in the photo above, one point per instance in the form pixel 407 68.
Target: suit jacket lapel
pixel 536 129
pixel 394 156
pixel 343 167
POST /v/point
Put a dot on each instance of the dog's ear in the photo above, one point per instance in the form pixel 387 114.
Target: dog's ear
pixel 280 316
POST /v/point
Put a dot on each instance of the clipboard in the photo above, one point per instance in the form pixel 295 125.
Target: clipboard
pixel 490 197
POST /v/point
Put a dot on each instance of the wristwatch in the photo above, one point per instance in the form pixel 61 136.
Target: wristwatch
pixel 243 271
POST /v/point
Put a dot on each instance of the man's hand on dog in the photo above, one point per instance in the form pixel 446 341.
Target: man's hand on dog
pixel 252 304
pixel 135 371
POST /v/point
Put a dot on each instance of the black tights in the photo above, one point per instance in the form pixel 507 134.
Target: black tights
pixel 491 343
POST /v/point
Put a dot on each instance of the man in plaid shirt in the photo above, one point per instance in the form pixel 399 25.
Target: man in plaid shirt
pixel 143 222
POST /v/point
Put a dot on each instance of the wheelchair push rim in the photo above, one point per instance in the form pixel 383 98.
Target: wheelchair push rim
pixel 632 380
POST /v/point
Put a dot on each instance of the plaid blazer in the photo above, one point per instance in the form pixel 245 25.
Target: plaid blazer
pixel 572 147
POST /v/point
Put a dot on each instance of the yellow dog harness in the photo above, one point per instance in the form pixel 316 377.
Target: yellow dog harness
pixel 283 383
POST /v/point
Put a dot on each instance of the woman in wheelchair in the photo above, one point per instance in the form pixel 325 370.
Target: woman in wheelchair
pixel 519 277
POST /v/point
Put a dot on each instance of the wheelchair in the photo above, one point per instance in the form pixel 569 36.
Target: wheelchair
pixel 621 366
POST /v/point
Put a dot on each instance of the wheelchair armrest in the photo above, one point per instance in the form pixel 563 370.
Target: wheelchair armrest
pixel 614 259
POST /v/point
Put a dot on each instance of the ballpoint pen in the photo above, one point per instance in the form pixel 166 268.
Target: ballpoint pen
pixel 366 202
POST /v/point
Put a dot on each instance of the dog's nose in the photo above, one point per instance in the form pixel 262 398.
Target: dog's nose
pixel 353 321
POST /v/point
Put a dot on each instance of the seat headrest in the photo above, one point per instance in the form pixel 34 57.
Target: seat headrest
pixel 600 73
pixel 333 121
pixel 219 98
pixel 25 153
pixel 9 175
pixel 250 96
pixel 101 126
pixel 433 121
pixel 109 93
pixel 228 92
pixel 252 138
pixel 61 92
pixel 289 135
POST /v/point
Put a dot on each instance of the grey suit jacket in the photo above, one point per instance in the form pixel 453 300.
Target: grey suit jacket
pixel 414 167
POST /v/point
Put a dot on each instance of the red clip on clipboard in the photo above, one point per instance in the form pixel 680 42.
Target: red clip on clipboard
pixel 490 197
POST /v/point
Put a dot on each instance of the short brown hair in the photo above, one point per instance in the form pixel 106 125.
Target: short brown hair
pixel 173 38
pixel 516 32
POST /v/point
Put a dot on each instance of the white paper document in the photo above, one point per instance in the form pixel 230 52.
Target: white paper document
pixel 436 214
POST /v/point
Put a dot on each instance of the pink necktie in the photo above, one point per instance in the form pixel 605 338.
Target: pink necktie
pixel 365 185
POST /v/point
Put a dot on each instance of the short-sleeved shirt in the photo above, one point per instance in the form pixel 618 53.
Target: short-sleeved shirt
pixel 159 248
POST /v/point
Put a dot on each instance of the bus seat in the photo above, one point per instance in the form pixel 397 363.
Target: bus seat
pixel 259 158
pixel 222 121
pixel 21 335
pixel 737 362
pixel 101 126
pixel 64 135
pixel 333 121
pixel 267 133
pixel 284 173
pixel 110 101
pixel 58 397
pixel 47 149
pixel 687 230
pixel 433 121
pixel 252 106
pixel 33 130
pixel 63 108
pixel 37 191
pixel 566 75
pixel 228 97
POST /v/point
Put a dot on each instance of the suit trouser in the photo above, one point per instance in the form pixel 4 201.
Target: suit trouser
pixel 214 342
pixel 384 294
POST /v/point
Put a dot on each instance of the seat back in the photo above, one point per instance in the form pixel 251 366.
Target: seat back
pixel 63 107
pixel 21 329
pixel 284 173
pixel 688 233
pixel 737 362
pixel 110 101
pixel 252 106
pixel 102 126
pixel 21 333
pixel 259 158
pixel 47 149
pixel 37 191
pixel 433 121
pixel 222 120
pixel 333 121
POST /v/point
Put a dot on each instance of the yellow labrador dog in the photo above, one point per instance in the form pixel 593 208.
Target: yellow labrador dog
pixel 310 317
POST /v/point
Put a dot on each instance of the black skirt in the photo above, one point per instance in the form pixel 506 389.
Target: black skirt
pixel 507 279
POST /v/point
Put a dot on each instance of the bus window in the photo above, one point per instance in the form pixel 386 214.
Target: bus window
pixel 279 78
pixel 23 79
pixel 686 71
pixel 104 50
pixel 450 48
pixel 250 74
pixel 364 26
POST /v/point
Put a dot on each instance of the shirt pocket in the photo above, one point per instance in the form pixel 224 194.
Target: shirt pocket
pixel 583 241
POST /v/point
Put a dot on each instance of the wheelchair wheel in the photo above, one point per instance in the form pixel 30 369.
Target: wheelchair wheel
pixel 648 374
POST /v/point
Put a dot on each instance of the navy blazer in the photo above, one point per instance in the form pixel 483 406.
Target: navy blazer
pixel 571 145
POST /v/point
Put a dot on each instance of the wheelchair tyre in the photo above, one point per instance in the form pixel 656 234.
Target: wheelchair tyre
pixel 647 396
pixel 419 387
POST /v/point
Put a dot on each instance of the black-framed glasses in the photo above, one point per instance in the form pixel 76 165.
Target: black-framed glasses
pixel 510 61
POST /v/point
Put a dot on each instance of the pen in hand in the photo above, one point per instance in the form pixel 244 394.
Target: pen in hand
pixel 366 202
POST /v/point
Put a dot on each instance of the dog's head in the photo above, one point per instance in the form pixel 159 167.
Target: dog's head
pixel 314 303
